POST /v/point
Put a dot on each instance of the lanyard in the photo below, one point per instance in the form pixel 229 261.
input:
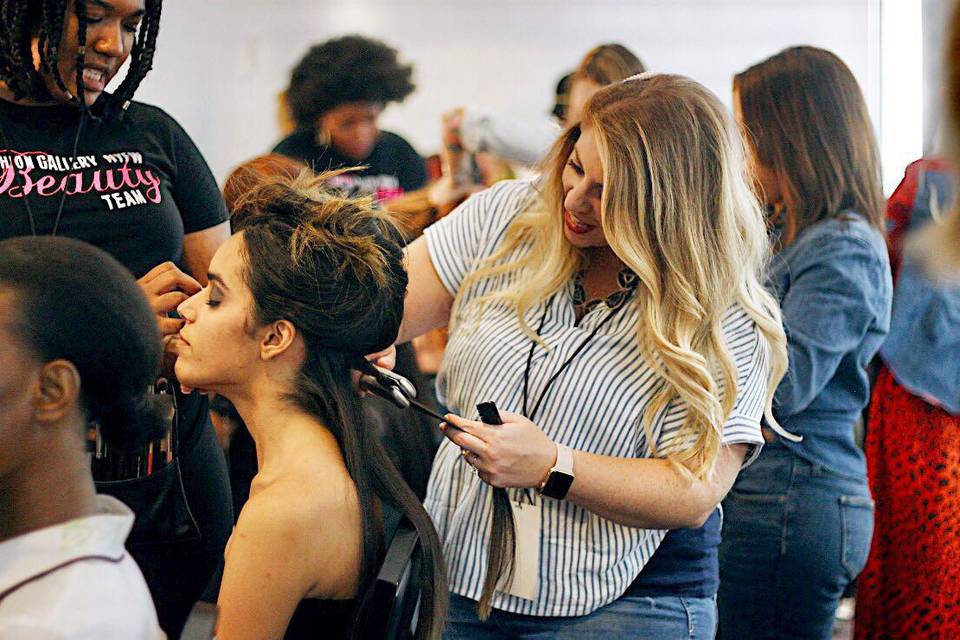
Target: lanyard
pixel 621 303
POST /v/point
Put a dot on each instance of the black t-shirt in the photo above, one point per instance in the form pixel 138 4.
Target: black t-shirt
pixel 392 168
pixel 134 187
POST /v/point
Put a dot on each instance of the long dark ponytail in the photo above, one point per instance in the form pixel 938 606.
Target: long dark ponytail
pixel 333 267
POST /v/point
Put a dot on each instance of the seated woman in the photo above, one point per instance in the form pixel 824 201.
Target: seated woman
pixel 309 283
pixel 63 565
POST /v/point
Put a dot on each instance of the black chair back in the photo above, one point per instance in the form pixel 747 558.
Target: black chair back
pixel 391 611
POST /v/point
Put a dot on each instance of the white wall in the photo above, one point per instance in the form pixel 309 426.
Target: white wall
pixel 220 63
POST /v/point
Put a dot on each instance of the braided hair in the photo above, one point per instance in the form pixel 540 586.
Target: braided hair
pixel 23 20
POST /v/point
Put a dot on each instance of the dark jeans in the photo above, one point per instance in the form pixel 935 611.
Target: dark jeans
pixel 634 617
pixel 794 536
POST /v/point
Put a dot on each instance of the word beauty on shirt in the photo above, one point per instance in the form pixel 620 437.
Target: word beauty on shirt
pixel 45 175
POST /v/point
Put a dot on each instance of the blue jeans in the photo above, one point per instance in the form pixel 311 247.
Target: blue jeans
pixel 794 536
pixel 634 617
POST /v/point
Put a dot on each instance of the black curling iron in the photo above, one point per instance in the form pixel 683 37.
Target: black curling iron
pixel 391 387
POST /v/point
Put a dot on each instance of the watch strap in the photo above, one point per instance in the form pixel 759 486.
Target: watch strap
pixel 564 460
pixel 558 481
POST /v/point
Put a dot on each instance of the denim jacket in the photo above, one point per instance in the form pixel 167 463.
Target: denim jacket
pixel 923 348
pixel 835 289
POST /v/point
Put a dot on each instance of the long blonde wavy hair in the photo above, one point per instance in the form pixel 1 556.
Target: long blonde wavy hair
pixel 677 208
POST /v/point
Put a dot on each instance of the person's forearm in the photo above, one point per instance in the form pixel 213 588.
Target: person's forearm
pixel 199 247
pixel 650 493
pixel 427 305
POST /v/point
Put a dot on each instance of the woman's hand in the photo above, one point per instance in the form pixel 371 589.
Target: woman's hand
pixel 451 121
pixel 515 454
pixel 165 287
pixel 386 359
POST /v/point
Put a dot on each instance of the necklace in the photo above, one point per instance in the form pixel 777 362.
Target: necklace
pixel 63 196
pixel 617 300
pixel 627 280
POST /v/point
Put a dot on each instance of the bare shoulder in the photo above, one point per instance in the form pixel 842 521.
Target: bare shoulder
pixel 268 570
pixel 272 515
pixel 315 519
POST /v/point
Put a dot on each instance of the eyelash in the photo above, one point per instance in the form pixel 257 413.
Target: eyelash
pixel 579 171
pixel 126 27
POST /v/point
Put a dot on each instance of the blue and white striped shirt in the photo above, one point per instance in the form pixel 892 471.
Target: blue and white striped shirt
pixel 596 405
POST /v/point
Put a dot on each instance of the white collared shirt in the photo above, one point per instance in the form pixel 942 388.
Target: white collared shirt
pixel 76 580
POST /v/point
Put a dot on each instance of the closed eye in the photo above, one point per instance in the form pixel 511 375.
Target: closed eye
pixel 576 168
pixel 213 297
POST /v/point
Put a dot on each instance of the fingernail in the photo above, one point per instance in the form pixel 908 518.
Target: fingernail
pixel 443 426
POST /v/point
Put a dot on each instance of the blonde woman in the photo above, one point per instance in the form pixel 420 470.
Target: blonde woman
pixel 614 314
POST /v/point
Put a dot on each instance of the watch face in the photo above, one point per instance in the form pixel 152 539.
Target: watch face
pixel 557 485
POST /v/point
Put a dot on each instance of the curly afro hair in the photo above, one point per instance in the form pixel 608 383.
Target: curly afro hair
pixel 347 69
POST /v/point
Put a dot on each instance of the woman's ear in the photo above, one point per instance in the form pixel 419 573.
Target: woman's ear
pixel 57 391
pixel 278 339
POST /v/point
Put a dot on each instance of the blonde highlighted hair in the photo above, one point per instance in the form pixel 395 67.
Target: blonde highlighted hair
pixel 677 208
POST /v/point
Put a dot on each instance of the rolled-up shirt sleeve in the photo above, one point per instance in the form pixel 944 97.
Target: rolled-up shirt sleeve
pixel 525 142
pixel 751 356
pixel 458 242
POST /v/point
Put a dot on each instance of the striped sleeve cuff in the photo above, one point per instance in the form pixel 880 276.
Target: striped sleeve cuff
pixel 741 429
